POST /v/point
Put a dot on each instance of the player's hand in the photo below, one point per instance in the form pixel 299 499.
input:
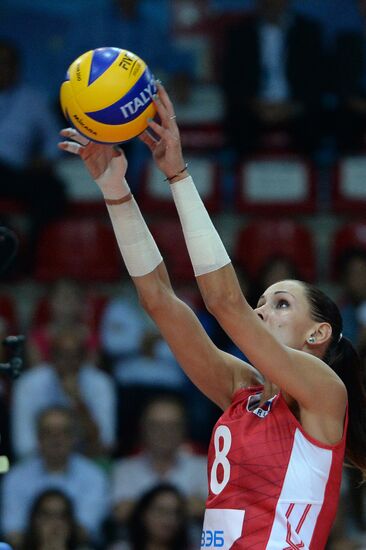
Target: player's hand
pixel 166 146
pixel 106 164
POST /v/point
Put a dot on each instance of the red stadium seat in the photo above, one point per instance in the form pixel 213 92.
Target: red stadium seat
pixel 275 184
pixel 349 236
pixel 263 240
pixel 349 190
pixel 155 195
pixel 82 249
pixel 169 238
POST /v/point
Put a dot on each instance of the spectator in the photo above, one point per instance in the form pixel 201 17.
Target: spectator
pixel 162 458
pixel 152 371
pixel 121 330
pixel 158 520
pixel 55 465
pixel 66 307
pixel 52 524
pixel 272 78
pixel 350 86
pixel 70 381
pixel 28 137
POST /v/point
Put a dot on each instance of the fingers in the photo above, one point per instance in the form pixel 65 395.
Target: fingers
pixel 75 135
pixel 165 110
pixel 148 139
pixel 71 147
pixel 159 130
pixel 165 99
pixel 162 112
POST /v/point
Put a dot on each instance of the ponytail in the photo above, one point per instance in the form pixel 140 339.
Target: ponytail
pixel 345 361
pixel 342 357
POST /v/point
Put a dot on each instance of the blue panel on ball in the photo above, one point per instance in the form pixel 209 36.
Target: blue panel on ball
pixel 131 105
pixel 101 61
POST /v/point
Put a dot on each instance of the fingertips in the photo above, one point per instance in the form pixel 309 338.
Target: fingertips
pixel 74 134
pixel 70 147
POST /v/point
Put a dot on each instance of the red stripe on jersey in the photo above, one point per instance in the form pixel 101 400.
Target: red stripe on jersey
pixel 289 510
pixel 303 517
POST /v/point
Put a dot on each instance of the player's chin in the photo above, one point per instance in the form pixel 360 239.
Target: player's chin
pixel 280 338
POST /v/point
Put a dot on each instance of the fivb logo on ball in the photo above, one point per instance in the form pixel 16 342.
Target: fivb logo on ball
pixel 107 95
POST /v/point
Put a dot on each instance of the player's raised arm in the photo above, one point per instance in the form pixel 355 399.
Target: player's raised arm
pixel 281 360
pixel 209 368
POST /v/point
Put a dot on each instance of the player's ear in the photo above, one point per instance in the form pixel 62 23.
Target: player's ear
pixel 321 334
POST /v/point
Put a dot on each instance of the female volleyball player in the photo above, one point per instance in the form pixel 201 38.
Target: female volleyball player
pixel 276 455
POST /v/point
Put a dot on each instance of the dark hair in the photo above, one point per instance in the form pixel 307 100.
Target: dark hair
pixel 31 537
pixel 137 531
pixel 342 357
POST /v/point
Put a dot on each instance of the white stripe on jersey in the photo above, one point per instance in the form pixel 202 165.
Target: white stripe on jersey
pixel 304 484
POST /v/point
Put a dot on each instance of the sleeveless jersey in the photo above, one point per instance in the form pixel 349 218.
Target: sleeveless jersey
pixel 271 486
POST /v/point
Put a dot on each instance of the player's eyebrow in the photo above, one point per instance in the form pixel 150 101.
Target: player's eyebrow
pixel 284 292
pixel 276 292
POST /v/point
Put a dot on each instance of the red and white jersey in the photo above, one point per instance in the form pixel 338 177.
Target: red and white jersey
pixel 271 485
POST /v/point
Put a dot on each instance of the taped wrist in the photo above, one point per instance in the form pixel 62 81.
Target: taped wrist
pixel 112 184
pixel 204 244
pixel 137 246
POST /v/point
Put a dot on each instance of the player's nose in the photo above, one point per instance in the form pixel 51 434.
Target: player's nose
pixel 260 311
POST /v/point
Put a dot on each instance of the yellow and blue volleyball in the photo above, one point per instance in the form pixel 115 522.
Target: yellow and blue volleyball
pixel 107 95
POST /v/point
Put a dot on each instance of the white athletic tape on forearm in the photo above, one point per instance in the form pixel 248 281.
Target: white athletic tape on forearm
pixel 111 183
pixel 205 247
pixel 137 246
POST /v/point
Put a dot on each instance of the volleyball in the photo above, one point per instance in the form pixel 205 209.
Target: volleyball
pixel 107 95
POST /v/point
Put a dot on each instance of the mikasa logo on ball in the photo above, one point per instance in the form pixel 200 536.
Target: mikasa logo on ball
pixel 82 123
pixel 141 100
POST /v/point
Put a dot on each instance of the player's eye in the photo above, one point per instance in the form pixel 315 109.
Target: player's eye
pixel 282 304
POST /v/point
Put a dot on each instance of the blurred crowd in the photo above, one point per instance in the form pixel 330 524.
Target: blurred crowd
pixel 107 437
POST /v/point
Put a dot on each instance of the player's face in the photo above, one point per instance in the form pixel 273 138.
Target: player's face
pixel 284 309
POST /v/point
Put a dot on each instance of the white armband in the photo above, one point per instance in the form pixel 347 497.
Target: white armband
pixel 204 244
pixel 137 246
